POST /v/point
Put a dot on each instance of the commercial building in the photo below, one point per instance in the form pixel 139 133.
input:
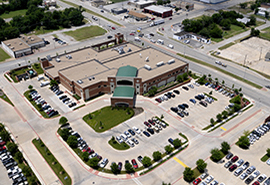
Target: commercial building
pixel 22 46
pixel 98 3
pixel 124 70
pixel 187 35
pixel 159 11
pixel 243 20
pixel 213 1
pixel 118 10
pixel 141 3
pixel 184 5
pixel 138 16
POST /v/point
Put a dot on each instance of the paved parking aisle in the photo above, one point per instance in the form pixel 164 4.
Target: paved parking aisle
pixel 3 175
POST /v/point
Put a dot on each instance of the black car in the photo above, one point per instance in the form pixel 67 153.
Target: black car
pixel 198 98
pixel 62 97
pixel 151 34
pixel 109 37
pixel 176 91
pixel 180 114
pixel 201 96
pixel 186 105
pixel 182 106
pixel 184 87
pixel 245 165
pixel 72 105
pixel 150 130
pixel 203 103
pixel 229 155
pixel 141 35
pixel 140 158
pixel 170 140
pixel 174 109
pixel 127 161
pixel 66 99
pixel 249 179
pixel 168 95
pixel 146 133
pixel 131 131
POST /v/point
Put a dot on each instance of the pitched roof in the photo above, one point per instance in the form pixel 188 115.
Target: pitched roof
pixel 127 71
pixel 123 92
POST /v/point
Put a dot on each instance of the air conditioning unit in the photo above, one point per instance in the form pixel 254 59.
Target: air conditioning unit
pixel 171 61
pixel 20 43
pixel 147 67
pixel 147 59
pixel 8 44
pixel 160 64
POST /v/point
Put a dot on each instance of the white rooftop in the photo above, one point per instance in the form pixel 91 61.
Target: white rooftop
pixel 158 9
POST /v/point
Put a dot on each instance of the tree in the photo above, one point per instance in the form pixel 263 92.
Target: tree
pixel 146 161
pixel 243 142
pixel 4 135
pixel 226 24
pixel 187 7
pixel 30 87
pixel 236 107
pixel 19 156
pixel 243 5
pixel 157 155
pixel 216 32
pixel 85 156
pixel 159 2
pixel 219 117
pixel 254 32
pixel 188 174
pixel 216 155
pixel 223 82
pixel 268 152
pixel 185 76
pixel 64 133
pixel 225 147
pixel 212 121
pixel 63 120
pixel 256 10
pixel 177 143
pixel 201 165
pixel 129 168
pixel 12 148
pixel 168 149
pixel 93 162
pixel 26 171
pixel 53 82
pixel 114 168
pixel 240 89
pixel 176 9
pixel 211 92
pixel 179 78
pixel 152 91
pixel 72 141
pixel 163 183
pixel 266 14
pixel 252 20
pixel 224 114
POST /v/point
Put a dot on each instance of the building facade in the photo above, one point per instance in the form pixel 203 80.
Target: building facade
pixel 159 11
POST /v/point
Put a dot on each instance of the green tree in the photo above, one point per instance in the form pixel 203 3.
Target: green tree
pixel 114 168
pixel 236 107
pixel 243 5
pixel 243 142
pixel 176 9
pixel 85 156
pixel 168 149
pixel 185 76
pixel 152 91
pixel 93 162
pixel 224 114
pixel 30 87
pixel 211 92
pixel 53 82
pixel 157 155
pixel 129 168
pixel 4 135
pixel 72 141
pixel 63 120
pixel 266 14
pixel 252 20
pixel 216 32
pixel 146 161
pixel 216 155
pixel 12 148
pixel 159 2
pixel 64 133
pixel 177 143
pixel 268 152
pixel 225 147
pixel 179 78
pixel 226 24
pixel 188 174
pixel 26 171
pixel 223 82
pixel 212 121
pixel 219 117
pixel 201 165
pixel 163 183
pixel 19 156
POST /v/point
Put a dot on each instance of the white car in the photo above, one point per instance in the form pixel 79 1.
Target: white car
pixel 124 137
pixel 130 143
pixel 268 162
pixel 215 182
pixel 209 179
pixel 119 139
pixel 138 131
pixel 127 134
pixel 93 155
pixel 218 62
pixel 104 163
pixel 170 46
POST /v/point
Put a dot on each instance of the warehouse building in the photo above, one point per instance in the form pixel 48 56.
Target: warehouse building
pixel 124 70
pixel 159 11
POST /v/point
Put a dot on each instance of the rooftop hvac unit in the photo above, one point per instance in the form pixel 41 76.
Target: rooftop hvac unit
pixel 29 37
pixel 32 39
pixel 147 59
pixel 80 81
pixel 20 43
pixel 160 63
pixel 8 44
pixel 129 49
pixel 171 61
pixel 12 48
pixel 89 78
pixel 93 78
pixel 147 67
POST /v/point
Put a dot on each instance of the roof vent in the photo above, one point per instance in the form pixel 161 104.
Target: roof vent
pixel 20 43
pixel 160 64
pixel 171 61
pixel 12 47
pixel 147 67
pixel 93 78
pixel 80 81
pixel 147 59
pixel 8 44
pixel 89 78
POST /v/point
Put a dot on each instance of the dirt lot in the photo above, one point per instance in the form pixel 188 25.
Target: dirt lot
pixel 252 48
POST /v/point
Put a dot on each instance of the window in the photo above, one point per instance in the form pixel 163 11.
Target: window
pixel 124 82
pixel 176 72
pixel 111 85
pixel 154 81
pixel 104 85
pixel 173 73
pixel 99 86
pixel 137 87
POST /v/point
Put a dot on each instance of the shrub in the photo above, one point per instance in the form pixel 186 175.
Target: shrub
pixel 201 165
pixel 216 155
pixel 72 141
pixel 225 147
pixel 168 149
pixel 63 120
pixel 146 161
pixel 157 155
pixel 188 174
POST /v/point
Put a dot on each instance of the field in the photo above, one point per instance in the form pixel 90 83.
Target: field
pixel 86 32
pixel 265 33
pixel 235 30
pixel 3 55
pixel 106 118
pixel 13 14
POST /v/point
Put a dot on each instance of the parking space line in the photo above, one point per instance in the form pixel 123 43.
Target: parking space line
pixel 180 162
pixel 137 181
pixel 223 128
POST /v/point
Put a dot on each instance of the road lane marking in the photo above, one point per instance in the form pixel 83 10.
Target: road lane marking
pixel 180 162
pixel 137 181
pixel 223 128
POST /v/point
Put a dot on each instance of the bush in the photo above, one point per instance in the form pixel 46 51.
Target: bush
pixel 27 171
pixel 93 162
pixel 157 155
pixel 146 161
pixel 72 141
pixel 225 147
pixel 85 156
pixel 152 91
pixel 177 143
pixel 219 117
pixel 168 149
pixel 201 165
pixel 129 168
pixel 216 155
pixel 188 174
pixel 268 152
pixel 19 156
pixel 243 141
pixel 64 133
pixel 114 168
pixel 12 148
pixel 63 120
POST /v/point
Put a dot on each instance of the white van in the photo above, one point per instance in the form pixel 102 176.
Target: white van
pixel 160 41
pixel 40 77
pixel 58 60
pixel 44 83
pixel 170 46
pixel 137 39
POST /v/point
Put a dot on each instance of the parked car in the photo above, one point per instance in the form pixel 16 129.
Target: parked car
pixel 240 162
pixel 228 164
pixel 193 101
pixel 234 159
pixel 249 179
pixel 131 132
pixel 140 158
pixel 197 181
pixel 251 169
pixel 170 140
pixel 104 163
pixel 238 171
pixel 146 133
pixel 203 103
pixel 186 88
pixel 138 131
pixel 150 130
pixel 134 163
pixel 245 165
pixel 176 91
pixel 232 168
pixel 119 166
pixel 209 179
pixel 261 178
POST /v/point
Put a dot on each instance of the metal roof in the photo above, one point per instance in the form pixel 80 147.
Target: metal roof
pixel 123 92
pixel 158 9
pixel 127 71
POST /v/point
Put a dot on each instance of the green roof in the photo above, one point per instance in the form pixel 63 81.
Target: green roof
pixel 127 71
pixel 123 92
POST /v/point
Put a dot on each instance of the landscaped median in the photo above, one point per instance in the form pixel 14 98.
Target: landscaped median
pixel 220 70
pixel 118 146
pixel 52 162
pixel 5 97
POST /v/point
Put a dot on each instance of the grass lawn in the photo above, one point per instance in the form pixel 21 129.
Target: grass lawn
pixel 13 14
pixel 54 164
pixel 37 68
pixel 93 13
pixel 216 39
pixel 117 146
pixel 26 94
pixel 44 31
pixel 76 97
pixel 265 33
pixel 197 173
pixel 3 55
pixel 107 118
pixel 117 1
pixel 221 70
pixel 226 46
pixel 5 98
pixel 235 30
pixel 14 73
pixel 264 158
pixel 86 32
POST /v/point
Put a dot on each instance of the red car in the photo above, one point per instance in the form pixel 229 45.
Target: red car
pixel 147 124
pixel 86 150
pixel 2 148
pixel 158 100
pixel 217 88
pixel 233 167
pixel 134 163
pixel 256 183
pixel 151 121
pixel 235 158
pixel 197 181
pixel 113 28
pixel 132 34
pixel 153 18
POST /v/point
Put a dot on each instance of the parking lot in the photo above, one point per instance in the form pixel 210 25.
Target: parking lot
pixel 199 116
